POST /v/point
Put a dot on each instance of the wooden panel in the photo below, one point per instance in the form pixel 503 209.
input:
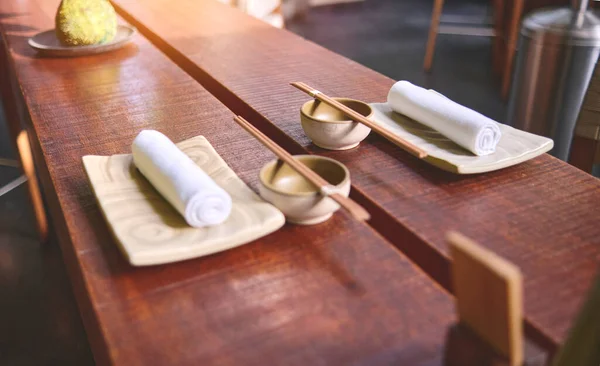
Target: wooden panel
pixel 335 293
pixel 542 215
pixel 489 296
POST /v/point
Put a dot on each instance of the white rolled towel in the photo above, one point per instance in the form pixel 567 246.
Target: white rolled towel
pixel 469 129
pixel 179 180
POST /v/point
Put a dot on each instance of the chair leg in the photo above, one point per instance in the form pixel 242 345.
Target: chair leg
pixel 511 46
pixel 32 184
pixel 498 40
pixel 9 162
pixel 433 32
pixel 12 185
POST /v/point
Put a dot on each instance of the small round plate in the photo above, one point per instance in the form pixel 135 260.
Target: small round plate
pixel 47 44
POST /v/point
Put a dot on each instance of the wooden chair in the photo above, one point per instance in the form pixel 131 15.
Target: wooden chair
pixel 25 161
pixel 507 15
pixel 436 28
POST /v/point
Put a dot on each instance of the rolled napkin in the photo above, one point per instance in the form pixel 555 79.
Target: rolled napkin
pixel 469 129
pixel 179 180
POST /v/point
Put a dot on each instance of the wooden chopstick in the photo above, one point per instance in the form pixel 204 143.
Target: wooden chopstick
pixel 354 208
pixel 357 117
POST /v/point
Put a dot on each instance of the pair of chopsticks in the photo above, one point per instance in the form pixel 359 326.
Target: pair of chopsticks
pixel 354 208
pixel 357 117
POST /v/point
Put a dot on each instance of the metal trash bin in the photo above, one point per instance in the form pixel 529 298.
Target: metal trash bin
pixel 558 50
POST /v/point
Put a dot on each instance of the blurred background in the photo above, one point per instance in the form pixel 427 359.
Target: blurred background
pixel 391 36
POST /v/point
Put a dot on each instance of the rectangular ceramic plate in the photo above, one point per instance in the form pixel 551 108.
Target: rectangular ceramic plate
pixel 149 231
pixel 515 146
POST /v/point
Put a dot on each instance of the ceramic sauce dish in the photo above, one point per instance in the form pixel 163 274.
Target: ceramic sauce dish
pixel 331 129
pixel 298 199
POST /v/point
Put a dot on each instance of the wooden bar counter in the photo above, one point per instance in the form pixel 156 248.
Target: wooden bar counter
pixel 542 214
pixel 335 293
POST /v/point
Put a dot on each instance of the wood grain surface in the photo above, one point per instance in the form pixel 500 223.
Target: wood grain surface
pixel 542 215
pixel 330 294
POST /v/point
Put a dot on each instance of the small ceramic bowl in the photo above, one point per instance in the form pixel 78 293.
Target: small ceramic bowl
pixel 331 129
pixel 298 199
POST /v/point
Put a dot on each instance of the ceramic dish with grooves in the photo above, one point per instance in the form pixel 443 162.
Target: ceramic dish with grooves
pixel 515 146
pixel 298 199
pixel 150 231
pixel 329 128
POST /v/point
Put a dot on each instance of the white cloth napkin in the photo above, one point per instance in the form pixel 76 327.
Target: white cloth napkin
pixel 469 129
pixel 179 180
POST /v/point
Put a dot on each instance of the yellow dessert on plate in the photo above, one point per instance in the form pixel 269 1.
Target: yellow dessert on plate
pixel 85 22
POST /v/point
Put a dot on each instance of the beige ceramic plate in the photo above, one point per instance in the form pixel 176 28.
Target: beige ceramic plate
pixel 515 146
pixel 149 231
pixel 47 44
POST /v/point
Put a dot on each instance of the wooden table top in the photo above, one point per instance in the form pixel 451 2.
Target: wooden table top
pixel 542 214
pixel 335 293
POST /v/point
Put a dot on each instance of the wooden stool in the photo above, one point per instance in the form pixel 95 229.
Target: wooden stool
pixel 11 110
pixel 14 183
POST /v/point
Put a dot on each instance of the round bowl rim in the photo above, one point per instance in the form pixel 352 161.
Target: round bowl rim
pixel 301 194
pixel 338 122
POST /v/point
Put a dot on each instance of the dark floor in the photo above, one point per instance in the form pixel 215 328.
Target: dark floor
pixel 39 322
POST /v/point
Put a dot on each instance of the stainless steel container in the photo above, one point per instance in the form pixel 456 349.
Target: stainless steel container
pixel 558 50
